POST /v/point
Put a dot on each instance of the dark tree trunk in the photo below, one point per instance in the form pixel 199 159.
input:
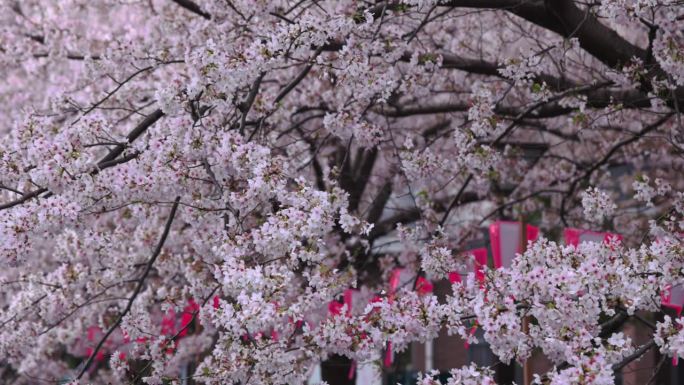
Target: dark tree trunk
pixel 335 371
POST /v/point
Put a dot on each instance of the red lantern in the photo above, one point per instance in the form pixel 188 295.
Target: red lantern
pixel 399 278
pixel 480 261
pixel 505 238
pixel 673 298
pixel 575 236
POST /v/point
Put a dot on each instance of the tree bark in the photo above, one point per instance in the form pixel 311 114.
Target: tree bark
pixel 335 371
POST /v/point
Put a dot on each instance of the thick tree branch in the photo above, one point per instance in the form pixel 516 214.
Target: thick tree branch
pixel 379 203
pixel 357 185
pixel 566 19
pixel 245 106
pixel 613 325
pixel 638 353
pixel 26 197
pixel 192 7
pixel 133 135
pixel 289 87
pixel 596 98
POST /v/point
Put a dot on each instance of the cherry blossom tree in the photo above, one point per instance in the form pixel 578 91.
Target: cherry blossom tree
pixel 185 186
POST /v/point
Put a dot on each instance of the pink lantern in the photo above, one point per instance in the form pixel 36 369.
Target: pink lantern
pixel 335 307
pixel 505 237
pixel 480 261
pixel 400 278
pixel 423 286
pixel 575 236
pixel 172 325
pixel 405 278
pixel 673 298
pixel 353 302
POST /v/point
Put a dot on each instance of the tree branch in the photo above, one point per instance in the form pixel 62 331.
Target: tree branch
pixel 141 282
pixel 106 162
pixel 133 135
pixel 566 19
pixel 605 159
pixel 286 90
pixel 245 106
pixel 637 353
pixel 192 7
